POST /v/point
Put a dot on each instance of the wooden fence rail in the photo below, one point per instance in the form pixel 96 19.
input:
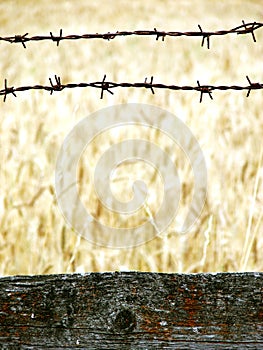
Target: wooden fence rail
pixel 132 310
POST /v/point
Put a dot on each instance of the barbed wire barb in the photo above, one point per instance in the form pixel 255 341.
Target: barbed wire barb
pixel 57 39
pixel 149 85
pixel 105 85
pixel 204 89
pixel 249 28
pixel 159 34
pixel 205 36
pixel 8 90
pixel 21 39
pixel 55 87
pixel 252 86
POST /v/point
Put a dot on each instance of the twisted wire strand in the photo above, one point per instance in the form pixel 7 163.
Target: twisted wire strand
pixel 103 85
pixel 243 29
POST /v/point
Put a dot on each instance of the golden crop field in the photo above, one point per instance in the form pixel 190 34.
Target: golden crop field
pixel 228 236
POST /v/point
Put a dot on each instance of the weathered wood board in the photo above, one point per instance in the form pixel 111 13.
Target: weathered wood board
pixel 132 310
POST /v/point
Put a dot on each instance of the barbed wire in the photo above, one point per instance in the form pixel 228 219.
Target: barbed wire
pixel 245 28
pixel 109 85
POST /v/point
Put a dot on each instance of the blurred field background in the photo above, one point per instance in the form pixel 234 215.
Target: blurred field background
pixel 34 238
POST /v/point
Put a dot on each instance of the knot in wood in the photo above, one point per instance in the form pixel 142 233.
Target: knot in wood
pixel 125 321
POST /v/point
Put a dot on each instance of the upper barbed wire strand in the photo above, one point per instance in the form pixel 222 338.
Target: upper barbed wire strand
pixel 244 28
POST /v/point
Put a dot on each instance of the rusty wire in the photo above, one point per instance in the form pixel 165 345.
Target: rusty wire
pixel 104 85
pixel 245 28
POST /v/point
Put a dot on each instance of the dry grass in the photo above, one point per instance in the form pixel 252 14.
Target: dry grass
pixel 33 235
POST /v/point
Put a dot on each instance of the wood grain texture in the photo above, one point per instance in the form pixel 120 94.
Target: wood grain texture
pixel 132 310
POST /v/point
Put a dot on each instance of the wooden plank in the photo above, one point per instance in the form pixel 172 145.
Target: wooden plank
pixel 132 310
